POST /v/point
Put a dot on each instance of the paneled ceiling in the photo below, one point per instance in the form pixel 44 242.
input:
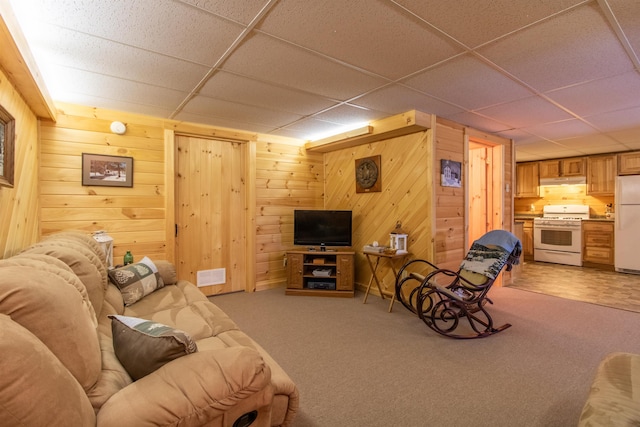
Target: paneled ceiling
pixel 560 77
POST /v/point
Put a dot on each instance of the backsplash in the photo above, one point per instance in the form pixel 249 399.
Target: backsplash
pixel 562 195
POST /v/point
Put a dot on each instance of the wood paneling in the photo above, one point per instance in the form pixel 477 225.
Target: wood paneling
pixel 19 205
pixel 134 217
pixel 287 177
pixel 405 197
pixel 450 201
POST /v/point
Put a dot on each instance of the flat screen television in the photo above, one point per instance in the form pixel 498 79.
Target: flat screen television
pixel 322 228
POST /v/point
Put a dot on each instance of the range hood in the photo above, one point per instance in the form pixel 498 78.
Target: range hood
pixel 564 180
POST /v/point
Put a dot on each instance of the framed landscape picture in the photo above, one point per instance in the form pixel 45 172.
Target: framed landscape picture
pixel 107 171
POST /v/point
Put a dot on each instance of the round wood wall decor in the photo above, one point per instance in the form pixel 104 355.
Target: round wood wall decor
pixel 368 175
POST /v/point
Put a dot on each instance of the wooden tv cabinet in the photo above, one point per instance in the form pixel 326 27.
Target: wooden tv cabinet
pixel 334 273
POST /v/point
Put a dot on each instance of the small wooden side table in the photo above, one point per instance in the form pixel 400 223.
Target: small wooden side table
pixel 391 260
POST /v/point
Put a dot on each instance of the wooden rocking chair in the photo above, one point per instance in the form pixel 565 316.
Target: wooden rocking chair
pixel 452 303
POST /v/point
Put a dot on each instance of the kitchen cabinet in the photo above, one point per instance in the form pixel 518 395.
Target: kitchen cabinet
pixel 597 243
pixel 629 163
pixel 574 166
pixel 601 175
pixel 549 168
pixel 527 239
pixel 527 180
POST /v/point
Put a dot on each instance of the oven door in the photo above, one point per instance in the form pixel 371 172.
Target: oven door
pixel 564 238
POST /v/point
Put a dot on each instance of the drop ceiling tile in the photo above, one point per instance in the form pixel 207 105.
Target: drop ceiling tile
pixel 561 129
pixel 571 48
pixel 477 121
pixel 349 115
pixel 475 22
pixel 627 14
pixel 270 60
pixel 548 150
pixel 202 105
pixel 395 99
pixel 223 122
pixel 116 105
pixel 627 136
pixel 376 36
pixel 616 120
pixel 311 128
pixel 76 82
pixel 232 87
pixel 80 51
pixel 525 112
pixel 600 96
pixel 590 142
pixel 468 82
pixel 242 11
pixel 171 28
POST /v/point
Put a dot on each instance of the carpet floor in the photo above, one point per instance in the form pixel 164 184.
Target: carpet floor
pixel 357 364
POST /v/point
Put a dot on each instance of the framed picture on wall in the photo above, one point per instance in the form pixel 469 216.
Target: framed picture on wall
pixel 107 171
pixel 7 145
pixel 450 173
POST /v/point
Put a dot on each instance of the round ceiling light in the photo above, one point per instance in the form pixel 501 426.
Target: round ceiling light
pixel 118 128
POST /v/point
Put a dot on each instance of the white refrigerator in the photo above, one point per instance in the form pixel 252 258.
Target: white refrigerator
pixel 627 234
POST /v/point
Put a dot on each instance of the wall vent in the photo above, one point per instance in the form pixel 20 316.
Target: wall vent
pixel 217 276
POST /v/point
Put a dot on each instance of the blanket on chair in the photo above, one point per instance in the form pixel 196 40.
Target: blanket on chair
pixel 491 252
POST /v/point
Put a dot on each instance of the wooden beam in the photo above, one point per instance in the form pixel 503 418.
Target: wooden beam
pixel 21 68
pixel 390 127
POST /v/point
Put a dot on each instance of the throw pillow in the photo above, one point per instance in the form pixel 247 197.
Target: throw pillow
pixel 136 280
pixel 142 346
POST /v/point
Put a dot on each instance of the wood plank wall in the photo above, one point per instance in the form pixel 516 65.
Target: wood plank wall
pixel 19 205
pixel 449 201
pixel 563 195
pixel 134 217
pixel 405 197
pixel 287 178
pixel 450 213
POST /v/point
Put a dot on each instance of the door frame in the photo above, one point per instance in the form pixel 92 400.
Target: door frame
pixel 497 213
pixel 250 194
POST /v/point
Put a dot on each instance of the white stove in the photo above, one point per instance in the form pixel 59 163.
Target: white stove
pixel 557 236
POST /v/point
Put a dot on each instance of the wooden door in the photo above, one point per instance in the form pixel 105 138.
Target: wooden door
pixel 480 191
pixel 211 214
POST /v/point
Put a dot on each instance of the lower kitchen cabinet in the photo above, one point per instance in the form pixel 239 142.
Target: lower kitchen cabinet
pixel 598 244
pixel 527 239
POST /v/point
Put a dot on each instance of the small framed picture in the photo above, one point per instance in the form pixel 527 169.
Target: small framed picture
pixel 450 173
pixel 107 171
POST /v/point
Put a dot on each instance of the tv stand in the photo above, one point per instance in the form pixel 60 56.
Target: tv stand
pixel 333 277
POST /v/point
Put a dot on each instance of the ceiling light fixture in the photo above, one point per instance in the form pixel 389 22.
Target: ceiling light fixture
pixel 118 128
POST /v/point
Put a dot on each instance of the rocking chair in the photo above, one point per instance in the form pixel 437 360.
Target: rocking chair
pixel 444 298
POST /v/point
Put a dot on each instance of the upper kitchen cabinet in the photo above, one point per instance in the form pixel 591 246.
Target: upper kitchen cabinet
pixel 527 180
pixel 629 163
pixel 549 168
pixel 575 166
pixel 601 175
pixel 557 168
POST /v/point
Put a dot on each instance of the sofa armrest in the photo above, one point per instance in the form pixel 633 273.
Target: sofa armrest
pixel 212 387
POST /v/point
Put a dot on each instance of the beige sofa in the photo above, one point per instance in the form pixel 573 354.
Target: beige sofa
pixel 614 397
pixel 59 364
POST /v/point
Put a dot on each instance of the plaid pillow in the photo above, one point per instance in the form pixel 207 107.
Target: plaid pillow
pixel 136 280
